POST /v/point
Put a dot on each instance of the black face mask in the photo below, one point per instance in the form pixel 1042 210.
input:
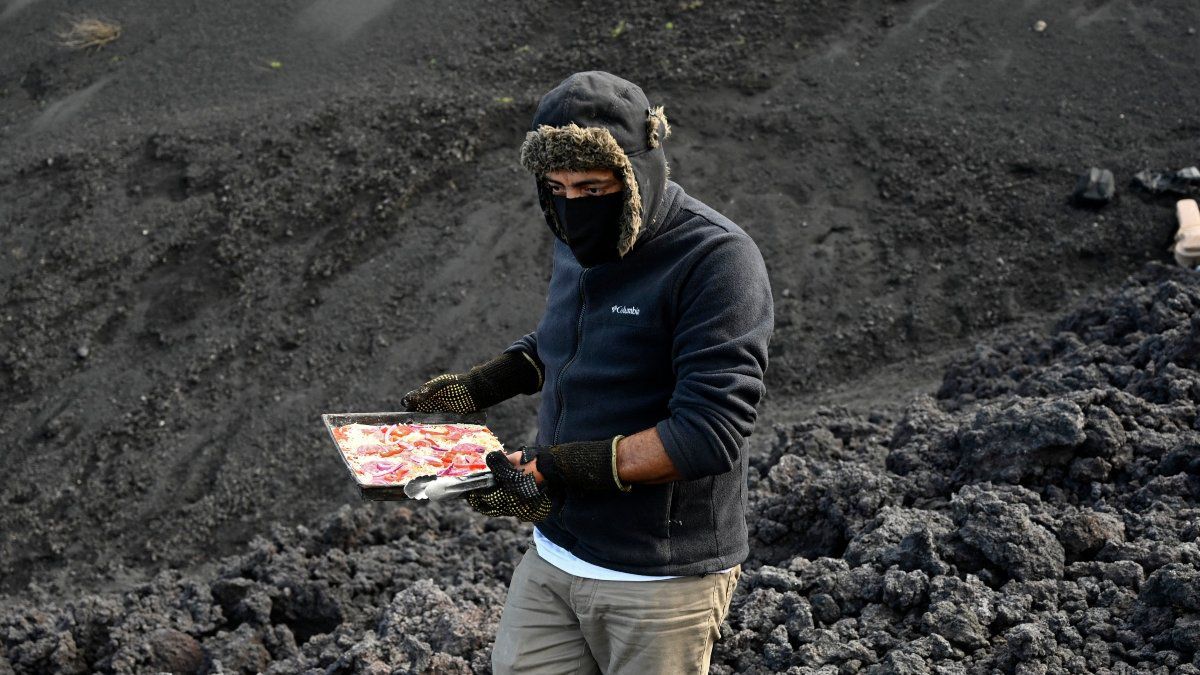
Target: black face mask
pixel 592 226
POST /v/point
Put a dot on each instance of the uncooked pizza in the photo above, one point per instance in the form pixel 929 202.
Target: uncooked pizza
pixel 392 454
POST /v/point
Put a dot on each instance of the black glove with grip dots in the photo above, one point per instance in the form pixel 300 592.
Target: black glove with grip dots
pixel 515 494
pixel 579 467
pixel 481 387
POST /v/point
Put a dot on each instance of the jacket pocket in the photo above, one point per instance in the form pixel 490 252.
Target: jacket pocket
pixel 670 515
pixel 694 532
pixel 625 528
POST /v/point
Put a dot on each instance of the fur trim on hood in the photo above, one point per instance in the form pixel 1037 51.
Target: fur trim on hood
pixel 596 120
pixel 576 148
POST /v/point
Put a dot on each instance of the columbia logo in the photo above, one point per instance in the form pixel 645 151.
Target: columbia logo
pixel 622 309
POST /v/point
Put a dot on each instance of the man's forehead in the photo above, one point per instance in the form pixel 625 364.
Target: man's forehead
pixel 573 178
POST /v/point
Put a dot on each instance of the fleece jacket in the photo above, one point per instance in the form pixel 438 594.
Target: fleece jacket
pixel 674 336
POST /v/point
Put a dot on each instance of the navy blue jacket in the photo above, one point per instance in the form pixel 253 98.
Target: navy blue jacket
pixel 674 335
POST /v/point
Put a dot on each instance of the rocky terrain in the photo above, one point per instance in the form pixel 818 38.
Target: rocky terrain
pixel 1041 514
pixel 979 450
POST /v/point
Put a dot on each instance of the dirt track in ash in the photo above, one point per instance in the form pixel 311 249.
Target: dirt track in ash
pixel 199 253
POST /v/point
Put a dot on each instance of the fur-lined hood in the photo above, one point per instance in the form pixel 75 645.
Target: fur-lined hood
pixel 597 120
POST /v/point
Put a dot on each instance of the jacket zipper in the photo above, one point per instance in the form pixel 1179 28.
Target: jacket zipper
pixel 562 406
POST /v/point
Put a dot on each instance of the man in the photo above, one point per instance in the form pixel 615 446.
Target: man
pixel 650 358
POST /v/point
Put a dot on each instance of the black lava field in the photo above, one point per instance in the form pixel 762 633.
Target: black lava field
pixel 980 447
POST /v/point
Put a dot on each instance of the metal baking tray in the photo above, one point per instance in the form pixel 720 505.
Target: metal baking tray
pixel 443 487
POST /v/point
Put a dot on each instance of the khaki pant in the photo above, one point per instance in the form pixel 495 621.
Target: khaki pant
pixel 554 622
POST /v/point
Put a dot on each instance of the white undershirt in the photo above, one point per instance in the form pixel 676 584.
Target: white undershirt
pixel 565 561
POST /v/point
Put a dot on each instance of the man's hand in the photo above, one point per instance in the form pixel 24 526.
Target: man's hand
pixel 525 460
pixel 481 387
pixel 516 493
pixel 531 481
pixel 445 393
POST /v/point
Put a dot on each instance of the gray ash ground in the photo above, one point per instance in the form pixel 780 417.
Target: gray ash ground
pixel 1040 515
pixel 200 253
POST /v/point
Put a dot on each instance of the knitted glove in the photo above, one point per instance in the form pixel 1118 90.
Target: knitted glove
pixel 589 466
pixel 516 493
pixel 481 387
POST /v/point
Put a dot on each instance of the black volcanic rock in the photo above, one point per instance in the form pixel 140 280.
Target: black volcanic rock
pixel 1032 520
pixel 1094 188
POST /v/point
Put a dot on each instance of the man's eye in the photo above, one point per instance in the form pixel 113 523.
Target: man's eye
pixel 595 192
pixel 555 189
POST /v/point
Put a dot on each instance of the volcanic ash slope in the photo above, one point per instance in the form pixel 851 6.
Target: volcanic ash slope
pixel 1041 514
